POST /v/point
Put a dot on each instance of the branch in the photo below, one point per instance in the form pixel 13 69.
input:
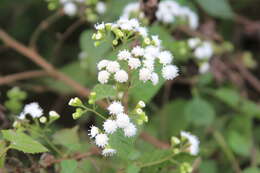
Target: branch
pixel 21 76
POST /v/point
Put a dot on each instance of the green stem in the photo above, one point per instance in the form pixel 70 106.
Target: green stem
pixel 157 161
pixel 95 112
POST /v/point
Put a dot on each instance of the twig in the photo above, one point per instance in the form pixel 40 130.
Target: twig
pixel 157 143
pixel 43 26
pixel 21 76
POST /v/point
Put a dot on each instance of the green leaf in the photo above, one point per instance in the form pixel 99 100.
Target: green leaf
pixel 217 8
pixel 104 91
pixel 69 166
pixel 251 170
pixel 208 166
pixel 228 96
pixel 68 138
pixel 2 155
pixel 200 112
pixel 250 108
pixel 122 144
pixel 22 142
pixel 133 169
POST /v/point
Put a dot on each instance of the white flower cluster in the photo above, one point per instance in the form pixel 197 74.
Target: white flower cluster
pixel 168 11
pixel 132 9
pixel 32 109
pixel 202 50
pixel 143 59
pixel 193 141
pixel 70 7
pixel 117 120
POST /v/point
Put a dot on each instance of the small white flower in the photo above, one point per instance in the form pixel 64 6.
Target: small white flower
pixel 137 51
pixel 100 26
pixel 33 109
pixel 54 114
pixel 143 31
pixel 113 66
pixel 155 78
pixel 70 9
pixel 103 76
pixel 115 108
pixel 94 131
pixel 151 52
pixel 21 116
pixel 156 40
pixel 145 74
pixel 193 42
pixel 134 63
pixel 165 57
pixel 110 126
pixel 141 104
pixel 130 130
pixel 169 72
pixel 121 76
pixel 108 152
pixel 122 120
pixel 101 7
pixel 102 64
pixel 124 55
pixel 149 64
pixel 101 140
pixel 204 51
pixel 204 67
pixel 134 23
pixel 194 142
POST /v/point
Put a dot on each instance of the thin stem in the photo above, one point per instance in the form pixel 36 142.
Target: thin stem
pixel 157 161
pixel 95 112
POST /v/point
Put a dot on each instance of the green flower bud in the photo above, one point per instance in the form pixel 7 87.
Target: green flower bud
pixel 97 43
pixel 54 115
pixel 176 151
pixel 16 124
pixel 118 32
pixel 185 168
pixel 115 42
pixel 175 141
pixel 78 113
pixel 108 26
pixel 147 41
pixel 75 102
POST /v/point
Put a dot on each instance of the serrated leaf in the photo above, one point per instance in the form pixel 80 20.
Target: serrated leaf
pixel 199 112
pixel 104 91
pixel 122 144
pixel 68 138
pixel 22 142
pixel 217 8
pixel 69 166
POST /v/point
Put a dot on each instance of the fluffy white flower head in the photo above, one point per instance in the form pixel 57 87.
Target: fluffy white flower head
pixel 93 132
pixel 70 9
pixel 122 120
pixel 102 64
pixel 169 72
pixel 110 126
pixel 124 55
pixel 130 130
pixel 145 74
pixel 115 108
pixel 194 142
pixel 137 51
pixel 134 63
pixel 33 109
pixel 155 78
pixel 113 66
pixel 121 76
pixel 103 76
pixel 108 152
pixel 100 26
pixel 165 57
pixel 204 51
pixel 101 140
pixel 193 42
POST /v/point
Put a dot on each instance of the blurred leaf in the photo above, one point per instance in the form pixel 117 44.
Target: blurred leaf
pixel 250 108
pixel 68 138
pixel 2 157
pixel 251 170
pixel 199 112
pixel 133 169
pixel 69 166
pixel 217 8
pixel 22 142
pixel 104 91
pixel 208 166
pixel 229 96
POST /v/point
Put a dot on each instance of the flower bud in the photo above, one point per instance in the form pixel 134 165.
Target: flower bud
pixel 185 168
pixel 141 104
pixel 115 42
pixel 147 41
pixel 54 115
pixel 75 102
pixel 175 141
pixel 43 120
pixel 78 113
pixel 16 124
